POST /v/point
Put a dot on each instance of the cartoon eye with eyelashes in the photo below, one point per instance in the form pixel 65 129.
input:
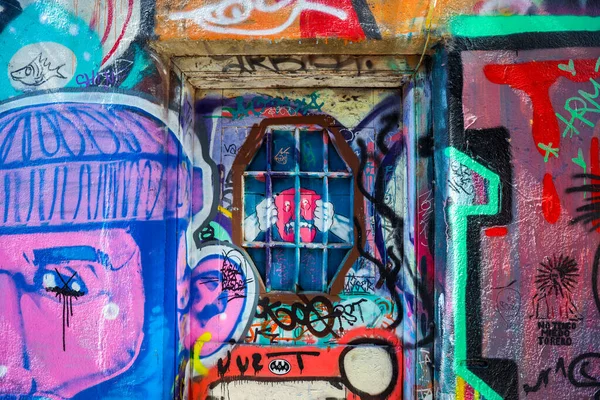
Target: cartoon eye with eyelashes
pixel 53 280
pixel 209 280
pixel 65 280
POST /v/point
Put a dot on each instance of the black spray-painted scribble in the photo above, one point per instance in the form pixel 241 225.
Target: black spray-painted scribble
pixel 461 179
pixel 589 214
pixel 65 295
pixel 318 314
pixel 357 284
pixel 389 271
pixel 581 373
pixel 232 279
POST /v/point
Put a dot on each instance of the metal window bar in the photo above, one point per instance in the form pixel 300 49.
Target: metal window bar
pixel 324 262
pixel 302 174
pixel 301 245
pixel 297 200
pixel 269 194
pixel 351 213
pixel 325 245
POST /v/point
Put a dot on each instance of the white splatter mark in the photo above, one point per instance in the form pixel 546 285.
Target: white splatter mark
pixel 3 371
pixel 110 311
pixel 49 280
pixel 74 29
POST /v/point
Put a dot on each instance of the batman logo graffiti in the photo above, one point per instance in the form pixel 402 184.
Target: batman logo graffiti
pixel 279 367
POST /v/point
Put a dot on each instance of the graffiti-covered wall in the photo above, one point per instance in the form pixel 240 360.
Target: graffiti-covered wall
pixel 313 189
pixel 252 199
pixel 520 175
pixel 103 178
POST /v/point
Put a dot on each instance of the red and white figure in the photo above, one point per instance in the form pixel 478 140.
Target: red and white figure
pixel 280 211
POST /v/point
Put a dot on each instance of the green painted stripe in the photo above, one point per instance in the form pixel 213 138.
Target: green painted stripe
pixel 459 214
pixel 481 26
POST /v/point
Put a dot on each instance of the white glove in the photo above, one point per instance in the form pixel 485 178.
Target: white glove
pixel 265 216
pixel 323 215
pixel 266 213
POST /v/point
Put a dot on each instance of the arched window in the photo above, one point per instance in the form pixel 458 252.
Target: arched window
pixel 296 202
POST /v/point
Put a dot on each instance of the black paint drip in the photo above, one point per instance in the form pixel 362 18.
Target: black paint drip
pixel 65 295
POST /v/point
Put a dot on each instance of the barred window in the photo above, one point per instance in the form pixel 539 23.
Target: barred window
pixel 296 203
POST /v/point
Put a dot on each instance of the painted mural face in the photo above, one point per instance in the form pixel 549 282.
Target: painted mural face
pixel 223 296
pixel 80 278
pixel 63 294
pixel 285 203
pixel 210 310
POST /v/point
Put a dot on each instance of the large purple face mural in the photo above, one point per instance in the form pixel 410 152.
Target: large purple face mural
pixel 89 243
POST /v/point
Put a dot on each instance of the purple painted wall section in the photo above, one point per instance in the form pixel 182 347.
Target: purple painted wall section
pixel 521 293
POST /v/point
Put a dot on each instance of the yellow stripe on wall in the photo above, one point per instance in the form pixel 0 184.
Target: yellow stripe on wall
pixel 460 388
pixel 225 212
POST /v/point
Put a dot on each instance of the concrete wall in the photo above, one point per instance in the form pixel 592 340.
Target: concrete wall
pixel 312 199
pixel 521 253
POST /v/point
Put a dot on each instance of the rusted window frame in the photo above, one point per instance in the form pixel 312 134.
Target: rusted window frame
pixel 252 145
